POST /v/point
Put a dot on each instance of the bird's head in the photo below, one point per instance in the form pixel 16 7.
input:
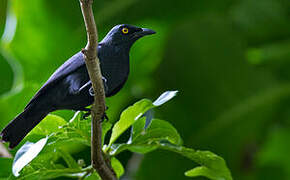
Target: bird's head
pixel 125 35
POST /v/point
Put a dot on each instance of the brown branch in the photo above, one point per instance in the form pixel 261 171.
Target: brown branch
pixel 4 152
pixel 98 108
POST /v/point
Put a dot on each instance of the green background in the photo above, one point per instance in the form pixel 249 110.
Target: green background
pixel 230 61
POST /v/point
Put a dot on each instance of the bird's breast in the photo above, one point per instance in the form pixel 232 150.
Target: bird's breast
pixel 116 71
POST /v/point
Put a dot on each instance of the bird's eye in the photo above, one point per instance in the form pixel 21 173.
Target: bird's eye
pixel 125 30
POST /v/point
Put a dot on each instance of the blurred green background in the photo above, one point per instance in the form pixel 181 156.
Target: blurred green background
pixel 230 60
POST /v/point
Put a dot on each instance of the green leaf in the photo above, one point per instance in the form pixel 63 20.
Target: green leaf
pixel 26 154
pixel 45 165
pixel 161 134
pixel 133 113
pixel 128 117
pixel 51 173
pixel 142 149
pixel 117 166
pixel 202 171
pixel 212 165
pixel 50 124
pixel 93 176
pixel 5 164
pixel 138 128
pixel 144 140
pixel 76 131
pixel 158 130
pixel 70 161
pixel 79 130
pixel 61 142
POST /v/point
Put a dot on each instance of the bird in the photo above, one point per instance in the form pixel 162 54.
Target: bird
pixel 70 88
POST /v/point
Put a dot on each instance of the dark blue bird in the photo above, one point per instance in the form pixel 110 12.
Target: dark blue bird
pixel 69 86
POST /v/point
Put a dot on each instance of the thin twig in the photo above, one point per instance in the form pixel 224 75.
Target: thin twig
pixel 98 108
pixel 87 171
pixel 4 152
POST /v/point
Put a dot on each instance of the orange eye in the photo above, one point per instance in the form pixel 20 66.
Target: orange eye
pixel 125 30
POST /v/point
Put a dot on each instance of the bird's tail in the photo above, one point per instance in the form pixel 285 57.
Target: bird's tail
pixel 18 128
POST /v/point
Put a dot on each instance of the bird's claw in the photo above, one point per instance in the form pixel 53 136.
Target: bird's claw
pixel 105 117
pixel 86 115
pixel 104 79
pixel 91 90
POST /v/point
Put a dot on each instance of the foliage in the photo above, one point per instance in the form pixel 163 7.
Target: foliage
pixel 158 134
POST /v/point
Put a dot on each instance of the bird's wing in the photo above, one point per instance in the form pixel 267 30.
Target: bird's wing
pixel 67 68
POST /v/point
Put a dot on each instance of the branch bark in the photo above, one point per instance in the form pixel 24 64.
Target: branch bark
pixel 98 108
pixel 4 152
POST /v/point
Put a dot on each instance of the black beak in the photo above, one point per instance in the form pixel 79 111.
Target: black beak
pixel 144 32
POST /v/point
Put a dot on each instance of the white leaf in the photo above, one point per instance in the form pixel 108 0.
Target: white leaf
pixel 26 154
pixel 166 96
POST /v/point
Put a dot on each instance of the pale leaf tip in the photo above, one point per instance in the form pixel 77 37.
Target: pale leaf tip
pixel 164 97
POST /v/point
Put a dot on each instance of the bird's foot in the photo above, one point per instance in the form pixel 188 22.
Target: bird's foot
pixel 91 90
pixel 87 113
pixel 105 117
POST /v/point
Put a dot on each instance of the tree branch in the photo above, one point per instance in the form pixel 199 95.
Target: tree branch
pixel 4 152
pixel 98 107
